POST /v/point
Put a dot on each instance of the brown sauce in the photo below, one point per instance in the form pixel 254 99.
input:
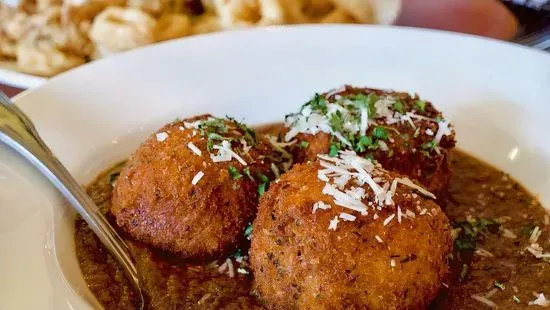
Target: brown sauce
pixel 500 269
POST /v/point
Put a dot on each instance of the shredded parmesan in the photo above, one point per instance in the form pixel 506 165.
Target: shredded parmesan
pixel 197 178
pixel 225 153
pixel 392 263
pixel 482 252
pixel 388 219
pixel 485 300
pixel 320 205
pixel 540 301
pixel 378 239
pixel 194 148
pixel 535 234
pixel 161 136
pixel 347 217
pixel 333 223
pixel 506 233
pixel 230 268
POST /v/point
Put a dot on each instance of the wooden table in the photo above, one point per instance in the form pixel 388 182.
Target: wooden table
pixel 9 90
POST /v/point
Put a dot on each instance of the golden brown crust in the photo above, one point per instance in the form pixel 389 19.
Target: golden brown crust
pixel 299 263
pixel 406 153
pixel 155 202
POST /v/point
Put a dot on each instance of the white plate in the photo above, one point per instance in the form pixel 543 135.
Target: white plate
pixel 497 94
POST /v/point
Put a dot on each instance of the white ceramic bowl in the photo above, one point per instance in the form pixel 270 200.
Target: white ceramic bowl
pixel 497 94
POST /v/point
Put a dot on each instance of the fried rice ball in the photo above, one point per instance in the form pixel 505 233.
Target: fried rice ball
pixel 307 254
pixel 192 187
pixel 404 133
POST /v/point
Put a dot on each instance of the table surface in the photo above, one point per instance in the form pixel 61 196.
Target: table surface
pixel 10 91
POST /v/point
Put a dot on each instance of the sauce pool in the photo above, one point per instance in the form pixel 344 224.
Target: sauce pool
pixel 493 215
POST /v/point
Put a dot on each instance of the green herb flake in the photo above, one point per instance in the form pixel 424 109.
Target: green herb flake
pixel 363 144
pixel 261 189
pixel 304 144
pixel 398 106
pixel 318 103
pixel 499 285
pixel 263 185
pixel 367 102
pixel 516 299
pixel 334 149
pixel 380 133
pixel 429 145
pixel 263 178
pixel 416 132
pixel 421 105
pixel 248 231
pixel 337 121
pixel 234 173
pixel 438 118
pixel 249 134
pixel 370 157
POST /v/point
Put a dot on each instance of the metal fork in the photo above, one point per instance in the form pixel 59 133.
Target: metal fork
pixel 19 133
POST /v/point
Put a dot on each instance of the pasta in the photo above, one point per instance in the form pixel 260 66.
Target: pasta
pixel 46 37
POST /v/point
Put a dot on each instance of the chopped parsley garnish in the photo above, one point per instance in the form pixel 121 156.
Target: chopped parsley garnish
pixel 469 232
pixel 430 145
pixel 380 133
pixel 261 189
pixel 438 118
pixel 249 134
pixel 516 299
pixel 304 144
pixel 263 185
pixel 499 285
pixel 370 157
pixel 234 173
pixel 318 103
pixel 363 144
pixel 248 231
pixel 398 106
pixel 239 252
pixel 334 149
pixel 337 121
pixel 421 105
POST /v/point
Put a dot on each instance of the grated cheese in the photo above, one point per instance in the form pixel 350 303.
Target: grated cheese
pixel 388 219
pixel 535 234
pixel 540 301
pixel 484 300
pixel 197 178
pixel 347 217
pixel 392 263
pixel 230 268
pixel 161 136
pixel 225 153
pixel 194 148
pixel 320 205
pixel 506 233
pixel 482 252
pixel 333 223
pixel 378 239
pixel 410 214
